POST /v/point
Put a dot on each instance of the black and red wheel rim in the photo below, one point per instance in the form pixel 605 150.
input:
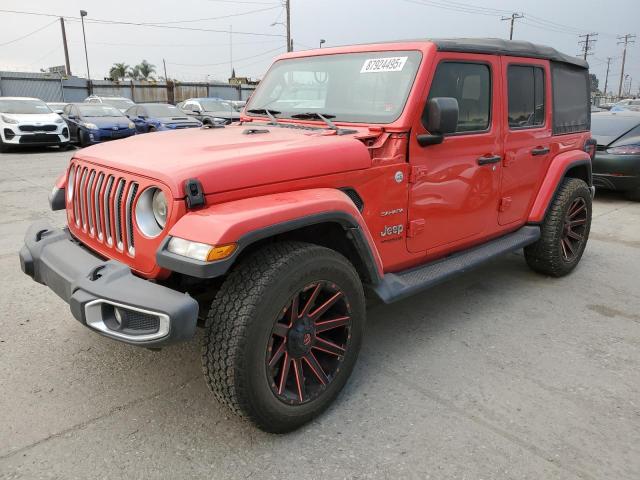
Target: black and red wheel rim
pixel 308 343
pixel 574 229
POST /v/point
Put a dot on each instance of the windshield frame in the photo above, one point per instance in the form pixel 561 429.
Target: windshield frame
pixel 401 50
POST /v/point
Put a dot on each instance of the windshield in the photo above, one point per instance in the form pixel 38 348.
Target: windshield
pixel 121 103
pixel 370 87
pixel 99 111
pixel 608 125
pixel 163 111
pixel 215 105
pixel 23 106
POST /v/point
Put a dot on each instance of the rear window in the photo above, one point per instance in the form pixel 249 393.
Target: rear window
pixel 526 96
pixel 571 103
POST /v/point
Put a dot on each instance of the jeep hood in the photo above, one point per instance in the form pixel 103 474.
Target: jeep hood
pixel 231 158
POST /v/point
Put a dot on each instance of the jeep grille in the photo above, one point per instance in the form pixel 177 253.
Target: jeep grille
pixel 102 206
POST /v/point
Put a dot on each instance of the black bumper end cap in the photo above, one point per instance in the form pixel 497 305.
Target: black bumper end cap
pixel 26 261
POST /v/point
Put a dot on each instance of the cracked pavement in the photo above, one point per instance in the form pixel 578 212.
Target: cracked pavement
pixel 500 374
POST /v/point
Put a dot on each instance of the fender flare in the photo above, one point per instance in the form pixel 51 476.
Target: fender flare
pixel 250 220
pixel 556 172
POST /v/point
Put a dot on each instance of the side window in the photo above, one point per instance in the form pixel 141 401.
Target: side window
pixel 526 96
pixel 470 84
pixel 188 106
pixel 66 110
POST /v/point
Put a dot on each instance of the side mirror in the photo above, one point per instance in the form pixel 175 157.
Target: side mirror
pixel 72 117
pixel 196 111
pixel 439 118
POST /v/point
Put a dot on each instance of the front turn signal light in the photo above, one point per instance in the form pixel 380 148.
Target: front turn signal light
pixel 221 251
pixel 200 251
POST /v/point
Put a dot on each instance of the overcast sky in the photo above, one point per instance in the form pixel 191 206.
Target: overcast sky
pixel 193 54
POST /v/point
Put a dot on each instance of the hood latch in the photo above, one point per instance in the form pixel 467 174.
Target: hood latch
pixel 195 193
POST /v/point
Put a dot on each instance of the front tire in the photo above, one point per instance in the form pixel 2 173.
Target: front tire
pixel 283 334
pixel 565 231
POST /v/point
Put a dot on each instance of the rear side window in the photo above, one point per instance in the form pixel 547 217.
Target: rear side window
pixel 470 84
pixel 571 102
pixel 526 96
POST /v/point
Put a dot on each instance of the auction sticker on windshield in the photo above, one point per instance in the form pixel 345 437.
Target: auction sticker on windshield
pixel 388 64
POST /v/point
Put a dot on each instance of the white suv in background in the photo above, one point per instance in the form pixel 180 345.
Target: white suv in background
pixel 29 121
pixel 121 103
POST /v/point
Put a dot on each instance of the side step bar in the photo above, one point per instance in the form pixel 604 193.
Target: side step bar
pixel 396 286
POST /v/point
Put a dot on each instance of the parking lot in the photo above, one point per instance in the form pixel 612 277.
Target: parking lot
pixel 500 373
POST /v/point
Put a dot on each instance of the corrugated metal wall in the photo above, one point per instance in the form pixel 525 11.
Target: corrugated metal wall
pixel 51 88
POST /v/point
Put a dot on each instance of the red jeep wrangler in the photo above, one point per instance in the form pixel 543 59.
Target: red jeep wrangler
pixel 387 168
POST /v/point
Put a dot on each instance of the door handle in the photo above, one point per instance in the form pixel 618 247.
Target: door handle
pixel 488 160
pixel 540 151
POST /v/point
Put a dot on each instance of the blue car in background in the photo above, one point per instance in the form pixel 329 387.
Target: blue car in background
pixel 94 123
pixel 154 117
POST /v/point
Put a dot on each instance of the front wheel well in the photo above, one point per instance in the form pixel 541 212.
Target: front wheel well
pixel 332 235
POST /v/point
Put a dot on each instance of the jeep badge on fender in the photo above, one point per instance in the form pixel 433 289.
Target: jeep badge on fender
pixel 267 233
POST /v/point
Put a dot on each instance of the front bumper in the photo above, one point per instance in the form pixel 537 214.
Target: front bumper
pixel 616 172
pixel 11 135
pixel 96 290
pixel 106 134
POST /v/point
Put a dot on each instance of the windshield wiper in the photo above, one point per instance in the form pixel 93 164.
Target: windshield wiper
pixel 269 113
pixel 320 116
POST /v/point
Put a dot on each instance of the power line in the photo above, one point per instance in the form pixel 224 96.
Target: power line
pixel 214 18
pixel 28 34
pixel 225 62
pixel 142 24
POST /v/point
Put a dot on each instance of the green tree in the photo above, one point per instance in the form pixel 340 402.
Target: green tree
pixel 594 83
pixel 145 70
pixel 134 73
pixel 118 71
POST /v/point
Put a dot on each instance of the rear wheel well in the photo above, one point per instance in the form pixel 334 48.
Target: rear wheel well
pixel 327 234
pixel 581 171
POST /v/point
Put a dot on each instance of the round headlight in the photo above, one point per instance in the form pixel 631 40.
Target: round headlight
pixel 151 212
pixel 159 205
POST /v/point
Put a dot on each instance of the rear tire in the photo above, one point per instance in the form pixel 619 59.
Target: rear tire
pixel 256 361
pixel 565 231
pixel 633 195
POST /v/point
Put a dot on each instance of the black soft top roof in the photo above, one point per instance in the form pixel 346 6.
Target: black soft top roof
pixel 498 46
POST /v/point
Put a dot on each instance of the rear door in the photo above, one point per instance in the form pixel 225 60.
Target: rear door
pixel 454 186
pixel 527 139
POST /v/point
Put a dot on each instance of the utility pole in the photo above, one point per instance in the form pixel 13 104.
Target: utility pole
pixel 587 43
pixel 606 78
pixel 83 13
pixel 624 40
pixel 164 64
pixel 512 18
pixel 289 42
pixel 66 49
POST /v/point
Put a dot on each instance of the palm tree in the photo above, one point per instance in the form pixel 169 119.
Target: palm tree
pixel 134 73
pixel 118 71
pixel 146 70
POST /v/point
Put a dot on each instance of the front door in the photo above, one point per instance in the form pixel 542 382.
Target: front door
pixel 455 185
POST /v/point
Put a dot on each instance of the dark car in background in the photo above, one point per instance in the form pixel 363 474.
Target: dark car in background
pixel 210 111
pixel 159 116
pixel 617 162
pixel 94 123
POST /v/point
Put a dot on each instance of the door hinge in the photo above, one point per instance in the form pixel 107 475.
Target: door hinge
pixel 417 173
pixel 505 203
pixel 416 227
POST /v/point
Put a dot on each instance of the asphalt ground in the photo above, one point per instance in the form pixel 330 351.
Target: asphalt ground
pixel 500 373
